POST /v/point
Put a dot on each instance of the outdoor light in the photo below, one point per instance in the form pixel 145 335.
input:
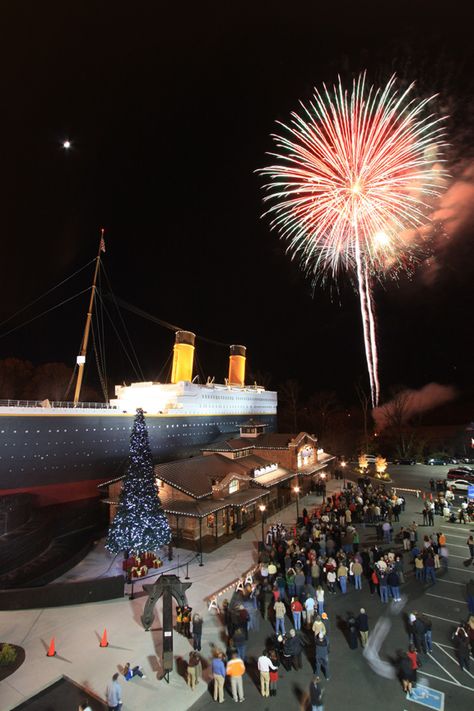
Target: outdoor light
pixel 343 464
pixel 296 489
pixel 262 507
pixel 322 475
pixel 67 145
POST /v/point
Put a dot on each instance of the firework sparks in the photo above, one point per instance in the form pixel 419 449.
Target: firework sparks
pixel 355 171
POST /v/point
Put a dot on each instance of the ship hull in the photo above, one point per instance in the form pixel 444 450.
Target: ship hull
pixel 64 457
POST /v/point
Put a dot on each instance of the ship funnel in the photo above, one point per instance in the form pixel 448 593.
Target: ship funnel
pixel 237 365
pixel 183 356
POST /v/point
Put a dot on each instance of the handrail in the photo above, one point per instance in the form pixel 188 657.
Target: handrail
pixel 46 404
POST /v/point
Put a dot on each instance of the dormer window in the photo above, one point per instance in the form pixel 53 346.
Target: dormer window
pixel 233 486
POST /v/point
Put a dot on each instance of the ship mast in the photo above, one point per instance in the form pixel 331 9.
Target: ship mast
pixel 81 358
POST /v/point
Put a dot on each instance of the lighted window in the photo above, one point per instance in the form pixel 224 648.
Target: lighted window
pixel 233 486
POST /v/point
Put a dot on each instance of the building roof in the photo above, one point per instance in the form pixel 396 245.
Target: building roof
pixel 196 476
pixel 200 509
pixel 269 440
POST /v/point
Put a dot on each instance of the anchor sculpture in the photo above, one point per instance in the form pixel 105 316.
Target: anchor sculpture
pixel 167 587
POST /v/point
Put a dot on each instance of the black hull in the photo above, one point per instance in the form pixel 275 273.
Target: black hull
pixel 41 450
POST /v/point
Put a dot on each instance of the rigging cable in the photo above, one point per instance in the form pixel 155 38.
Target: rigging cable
pixel 113 298
pixel 53 308
pixel 165 324
pixel 138 374
pixel 24 308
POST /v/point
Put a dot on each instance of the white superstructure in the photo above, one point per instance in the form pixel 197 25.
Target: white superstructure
pixel 185 398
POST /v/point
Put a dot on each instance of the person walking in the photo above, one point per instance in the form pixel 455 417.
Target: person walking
pixel 322 655
pixel 470 545
pixel 428 625
pixel 461 642
pixel 316 695
pixel 113 694
pixel 280 611
pixel 352 632
pixel 265 665
pixel 235 670
pixel 407 673
pixel 197 631
pixel 362 621
pixel 218 674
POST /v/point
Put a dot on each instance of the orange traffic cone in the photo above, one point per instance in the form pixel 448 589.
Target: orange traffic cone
pixel 424 496
pixel 51 651
pixel 431 497
pixel 103 641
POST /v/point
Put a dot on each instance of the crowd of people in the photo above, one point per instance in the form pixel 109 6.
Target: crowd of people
pixel 300 569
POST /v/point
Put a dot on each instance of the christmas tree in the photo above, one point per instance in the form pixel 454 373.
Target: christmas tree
pixel 140 523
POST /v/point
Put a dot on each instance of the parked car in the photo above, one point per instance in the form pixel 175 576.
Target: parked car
pixel 409 462
pixel 461 472
pixel 438 461
pixel 459 485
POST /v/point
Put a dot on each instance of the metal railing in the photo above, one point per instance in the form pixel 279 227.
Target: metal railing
pixel 47 404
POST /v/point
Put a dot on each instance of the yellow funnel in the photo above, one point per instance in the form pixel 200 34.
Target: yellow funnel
pixel 183 356
pixel 237 365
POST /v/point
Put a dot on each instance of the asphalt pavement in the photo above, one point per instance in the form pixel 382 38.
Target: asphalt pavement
pixel 357 682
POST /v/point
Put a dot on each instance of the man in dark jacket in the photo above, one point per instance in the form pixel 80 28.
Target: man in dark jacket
pixel 297 644
pixel 362 621
pixel 316 695
pixel 419 630
pixel 321 655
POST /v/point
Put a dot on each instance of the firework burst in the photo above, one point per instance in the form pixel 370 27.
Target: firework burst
pixel 354 172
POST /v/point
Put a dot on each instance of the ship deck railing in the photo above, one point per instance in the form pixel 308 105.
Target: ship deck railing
pixel 47 404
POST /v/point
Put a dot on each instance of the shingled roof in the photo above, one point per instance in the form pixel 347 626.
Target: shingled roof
pixel 196 476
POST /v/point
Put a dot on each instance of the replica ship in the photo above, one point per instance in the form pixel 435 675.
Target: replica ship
pixel 62 451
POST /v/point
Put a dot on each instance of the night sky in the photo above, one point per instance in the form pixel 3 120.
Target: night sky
pixel 169 108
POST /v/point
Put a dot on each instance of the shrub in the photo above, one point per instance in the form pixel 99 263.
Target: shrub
pixel 7 654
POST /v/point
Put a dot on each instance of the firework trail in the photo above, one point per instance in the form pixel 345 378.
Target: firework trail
pixel 355 171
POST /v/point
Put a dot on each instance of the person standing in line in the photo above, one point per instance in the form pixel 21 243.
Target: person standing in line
pixel 383 586
pixel 342 578
pixel 320 599
pixel 280 612
pixel 218 674
pixel 362 621
pixel 235 670
pixel 240 643
pixel 316 695
pixel 113 694
pixel 264 665
pixel 296 610
pixel 470 545
pixel 309 608
pixel 197 631
pixel 274 672
pixel 357 572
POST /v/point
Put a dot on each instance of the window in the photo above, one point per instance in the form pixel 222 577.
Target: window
pixel 233 486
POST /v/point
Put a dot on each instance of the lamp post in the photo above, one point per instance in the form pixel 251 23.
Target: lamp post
pixel 296 489
pixel 343 467
pixel 262 508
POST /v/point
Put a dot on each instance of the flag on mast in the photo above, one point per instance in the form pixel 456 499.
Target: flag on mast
pixel 102 241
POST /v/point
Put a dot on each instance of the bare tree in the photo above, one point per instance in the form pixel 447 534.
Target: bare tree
pixel 395 416
pixel 289 392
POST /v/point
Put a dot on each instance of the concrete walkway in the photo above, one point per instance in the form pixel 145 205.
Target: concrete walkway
pixel 77 628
